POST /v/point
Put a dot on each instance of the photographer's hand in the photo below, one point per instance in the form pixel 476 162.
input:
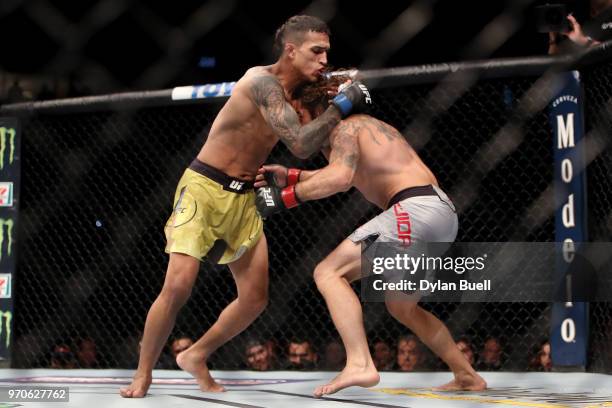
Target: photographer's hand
pixel 577 36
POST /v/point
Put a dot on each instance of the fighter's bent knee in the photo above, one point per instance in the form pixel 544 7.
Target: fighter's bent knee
pixel 257 300
pixel 322 273
pixel 398 308
pixel 260 305
pixel 177 289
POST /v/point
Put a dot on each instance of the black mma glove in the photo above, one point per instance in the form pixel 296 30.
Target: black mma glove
pixel 271 199
pixel 353 99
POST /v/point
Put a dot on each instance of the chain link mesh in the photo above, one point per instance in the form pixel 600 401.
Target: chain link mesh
pixel 97 189
pixel 598 119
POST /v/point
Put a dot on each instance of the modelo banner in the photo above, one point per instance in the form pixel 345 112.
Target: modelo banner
pixel 10 175
pixel 569 325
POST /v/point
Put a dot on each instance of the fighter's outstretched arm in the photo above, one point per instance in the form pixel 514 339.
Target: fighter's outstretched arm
pixel 303 141
pixel 335 177
pixel 338 175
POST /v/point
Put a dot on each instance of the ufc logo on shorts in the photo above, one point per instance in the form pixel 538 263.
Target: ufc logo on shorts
pixel 236 185
pixel 364 89
pixel 267 196
pixel 402 220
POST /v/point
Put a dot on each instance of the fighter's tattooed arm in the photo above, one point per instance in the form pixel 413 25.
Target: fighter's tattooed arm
pixel 303 141
pixel 338 174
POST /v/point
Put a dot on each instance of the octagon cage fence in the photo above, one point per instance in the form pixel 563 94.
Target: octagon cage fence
pixel 98 176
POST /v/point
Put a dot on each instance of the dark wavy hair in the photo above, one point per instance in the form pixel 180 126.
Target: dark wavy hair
pixel 296 27
pixel 315 95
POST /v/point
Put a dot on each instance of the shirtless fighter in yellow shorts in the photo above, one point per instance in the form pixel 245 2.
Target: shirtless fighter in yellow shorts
pixel 214 212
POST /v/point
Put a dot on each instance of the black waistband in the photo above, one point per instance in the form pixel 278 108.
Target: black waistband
pixel 427 190
pixel 229 183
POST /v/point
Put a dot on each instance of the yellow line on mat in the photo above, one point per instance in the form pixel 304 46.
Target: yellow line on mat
pixel 399 391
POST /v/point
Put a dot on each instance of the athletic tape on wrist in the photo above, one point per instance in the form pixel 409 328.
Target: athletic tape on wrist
pixel 289 197
pixel 343 103
pixel 293 176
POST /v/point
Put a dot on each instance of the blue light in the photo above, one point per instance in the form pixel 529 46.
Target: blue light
pixel 207 62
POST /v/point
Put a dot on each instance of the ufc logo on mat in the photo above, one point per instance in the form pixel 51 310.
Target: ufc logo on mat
pixel 236 185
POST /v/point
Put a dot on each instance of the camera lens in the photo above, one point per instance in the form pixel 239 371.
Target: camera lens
pixel 554 17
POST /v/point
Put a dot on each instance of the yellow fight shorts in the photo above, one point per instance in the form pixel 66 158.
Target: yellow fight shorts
pixel 214 215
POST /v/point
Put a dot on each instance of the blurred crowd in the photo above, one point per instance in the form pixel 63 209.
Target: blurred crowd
pixel 577 36
pixel 406 353
pixel 15 89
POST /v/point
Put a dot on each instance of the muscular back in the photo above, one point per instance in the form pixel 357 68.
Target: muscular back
pixel 387 164
pixel 240 139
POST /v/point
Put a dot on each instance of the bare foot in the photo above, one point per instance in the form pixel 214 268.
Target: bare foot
pixel 195 365
pixel 362 377
pixel 464 382
pixel 138 388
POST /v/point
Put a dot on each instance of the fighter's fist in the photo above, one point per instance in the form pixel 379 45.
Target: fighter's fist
pixel 352 99
pixel 272 199
pixel 276 175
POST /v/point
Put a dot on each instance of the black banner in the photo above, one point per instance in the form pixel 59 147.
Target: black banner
pixel 9 209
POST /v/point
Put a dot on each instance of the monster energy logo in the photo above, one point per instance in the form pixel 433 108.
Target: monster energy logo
pixel 8 317
pixel 8 226
pixel 7 133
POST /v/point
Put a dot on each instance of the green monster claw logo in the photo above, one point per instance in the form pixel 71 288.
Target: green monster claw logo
pixel 9 229
pixel 8 317
pixel 4 134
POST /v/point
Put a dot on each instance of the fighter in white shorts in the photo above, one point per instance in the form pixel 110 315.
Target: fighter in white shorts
pixel 376 159
pixel 422 213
